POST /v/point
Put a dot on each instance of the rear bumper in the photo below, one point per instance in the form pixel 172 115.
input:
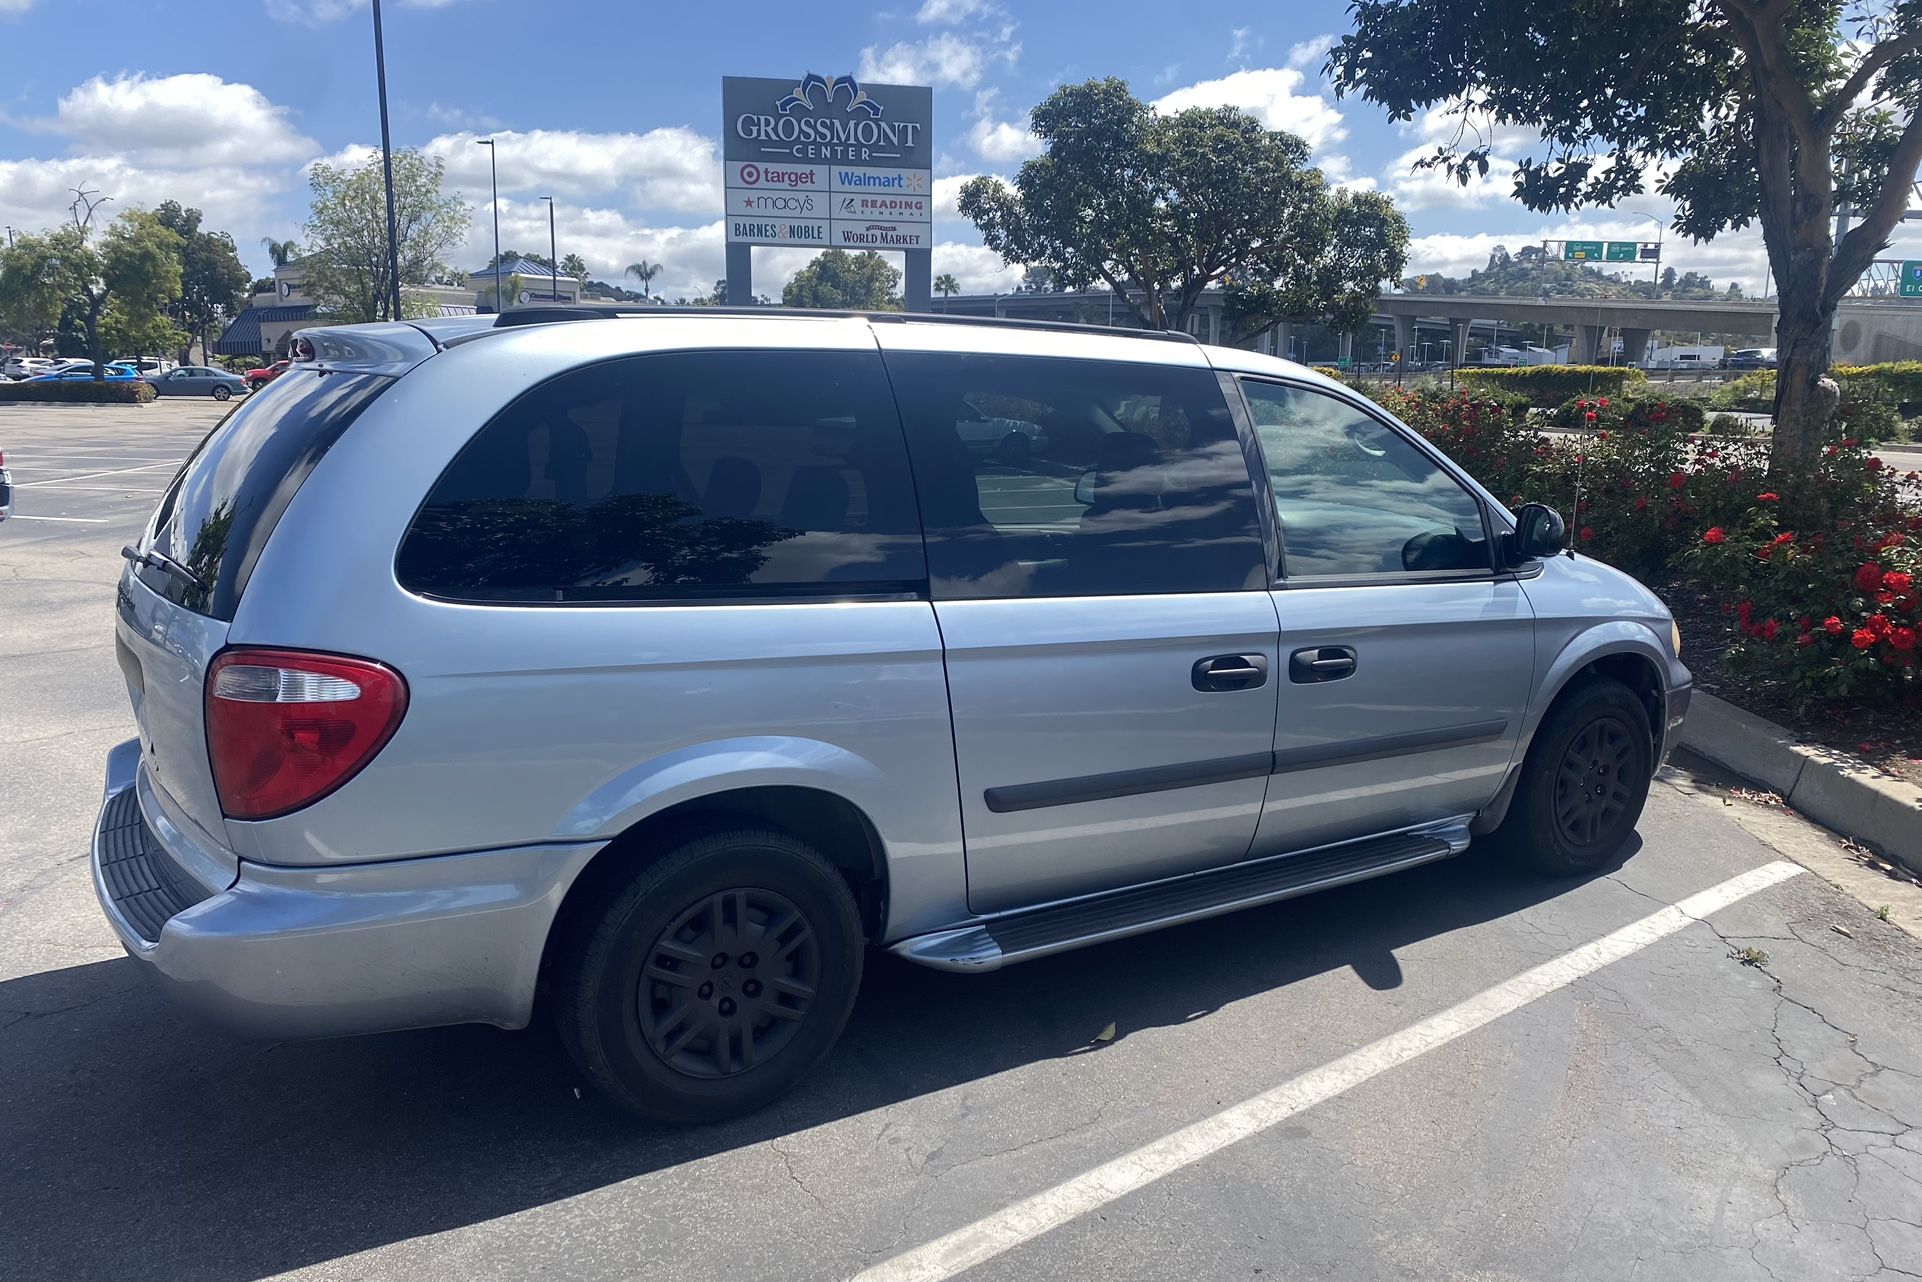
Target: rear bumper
pixel 321 952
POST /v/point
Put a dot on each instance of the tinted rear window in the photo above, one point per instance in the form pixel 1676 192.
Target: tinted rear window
pixel 679 475
pixel 217 516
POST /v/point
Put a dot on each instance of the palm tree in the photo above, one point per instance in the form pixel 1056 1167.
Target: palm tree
pixel 281 251
pixel 945 284
pixel 644 272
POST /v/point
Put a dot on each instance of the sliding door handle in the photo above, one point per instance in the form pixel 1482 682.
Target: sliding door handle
pixel 1231 672
pixel 1321 663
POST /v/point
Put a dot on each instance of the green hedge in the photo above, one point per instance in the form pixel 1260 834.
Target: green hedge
pixel 135 392
pixel 1898 381
pixel 1547 386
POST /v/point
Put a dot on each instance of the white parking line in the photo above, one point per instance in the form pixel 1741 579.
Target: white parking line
pixel 88 476
pixel 987 1238
pixel 72 520
pixel 108 489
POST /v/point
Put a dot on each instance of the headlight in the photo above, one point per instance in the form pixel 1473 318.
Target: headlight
pixel 1675 637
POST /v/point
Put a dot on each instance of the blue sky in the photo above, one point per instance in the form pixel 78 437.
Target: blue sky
pixel 613 107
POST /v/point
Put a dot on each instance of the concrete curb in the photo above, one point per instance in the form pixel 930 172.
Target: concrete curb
pixel 1818 782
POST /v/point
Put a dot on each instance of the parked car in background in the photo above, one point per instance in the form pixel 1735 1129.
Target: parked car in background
pixel 1750 358
pixel 985 433
pixel 146 364
pixel 83 373
pixel 19 367
pixel 6 489
pixel 256 378
pixel 199 380
pixel 668 663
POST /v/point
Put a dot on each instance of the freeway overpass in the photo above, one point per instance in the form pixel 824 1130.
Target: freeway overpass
pixel 1590 318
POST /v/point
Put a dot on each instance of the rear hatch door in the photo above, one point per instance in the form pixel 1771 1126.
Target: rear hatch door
pixel 177 600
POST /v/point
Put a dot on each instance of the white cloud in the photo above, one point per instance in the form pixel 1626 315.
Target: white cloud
pixel 947 194
pixel 1001 142
pixel 978 269
pixel 1736 256
pixel 1237 43
pixel 950 11
pixel 1304 55
pixel 461 118
pixel 14 8
pixel 946 61
pixel 34 194
pixel 1273 96
pixel 670 168
pixel 184 121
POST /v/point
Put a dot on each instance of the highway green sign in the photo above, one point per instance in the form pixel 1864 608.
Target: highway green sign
pixel 1623 251
pixel 1910 286
pixel 1581 251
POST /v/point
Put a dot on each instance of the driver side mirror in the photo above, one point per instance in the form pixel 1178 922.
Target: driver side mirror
pixel 1539 532
pixel 1084 489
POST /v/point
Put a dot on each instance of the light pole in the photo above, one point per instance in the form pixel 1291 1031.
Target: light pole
pixel 553 262
pixel 494 178
pixel 1660 227
pixel 387 165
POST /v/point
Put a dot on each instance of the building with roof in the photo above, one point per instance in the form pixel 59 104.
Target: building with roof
pixel 267 325
pixel 523 284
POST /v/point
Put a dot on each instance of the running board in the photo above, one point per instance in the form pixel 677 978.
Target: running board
pixel 1038 932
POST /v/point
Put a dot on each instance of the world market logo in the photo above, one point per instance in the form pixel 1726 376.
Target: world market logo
pixel 829 87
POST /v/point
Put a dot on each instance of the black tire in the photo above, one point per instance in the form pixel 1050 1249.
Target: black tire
pixel 223 393
pixel 640 959
pixel 1583 783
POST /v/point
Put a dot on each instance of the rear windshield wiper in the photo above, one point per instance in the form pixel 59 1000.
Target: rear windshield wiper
pixel 164 563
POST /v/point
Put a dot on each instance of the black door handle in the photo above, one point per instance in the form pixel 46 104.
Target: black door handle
pixel 1321 663
pixel 1231 672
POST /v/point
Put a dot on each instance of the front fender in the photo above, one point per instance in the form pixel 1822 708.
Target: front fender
pixel 703 769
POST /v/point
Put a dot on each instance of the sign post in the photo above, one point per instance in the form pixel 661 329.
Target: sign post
pixel 831 163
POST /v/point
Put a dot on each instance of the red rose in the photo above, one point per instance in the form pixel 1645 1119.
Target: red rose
pixel 1862 639
pixel 1603 402
pixel 1877 625
pixel 1805 639
pixel 1885 597
pixel 1849 443
pixel 1832 625
pixel 1587 534
pixel 1769 497
pixel 1641 505
pixel 1676 480
pixel 1601 436
pixel 1872 463
pixel 1869 577
pixel 1902 638
pixel 1714 535
pixel 1896 581
pixel 1589 417
pixel 1743 609
pixel 1769 628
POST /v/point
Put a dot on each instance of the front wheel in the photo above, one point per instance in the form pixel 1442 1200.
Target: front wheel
pixel 715 979
pixel 1583 783
pixel 223 393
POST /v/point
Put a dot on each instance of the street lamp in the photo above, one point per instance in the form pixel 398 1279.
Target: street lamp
pixel 387 165
pixel 494 178
pixel 553 262
pixel 1660 227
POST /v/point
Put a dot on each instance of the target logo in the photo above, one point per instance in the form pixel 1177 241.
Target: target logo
pixel 750 175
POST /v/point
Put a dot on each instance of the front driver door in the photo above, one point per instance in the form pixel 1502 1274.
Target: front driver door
pixel 1110 645
pixel 1406 660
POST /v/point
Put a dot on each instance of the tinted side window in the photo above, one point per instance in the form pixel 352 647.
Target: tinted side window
pixel 1043 477
pixel 1353 497
pixel 231 492
pixel 676 475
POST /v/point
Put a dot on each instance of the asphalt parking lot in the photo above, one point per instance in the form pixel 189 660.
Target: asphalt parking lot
pixel 1457 1072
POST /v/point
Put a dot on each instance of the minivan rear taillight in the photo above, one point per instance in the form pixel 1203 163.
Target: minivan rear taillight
pixel 285 727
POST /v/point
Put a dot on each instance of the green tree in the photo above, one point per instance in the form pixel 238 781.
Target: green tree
pixel 863 282
pixel 574 265
pixel 644 272
pixel 1158 207
pixel 280 252
pixel 213 280
pixel 946 285
pixel 1329 267
pixel 113 285
pixel 346 231
pixel 1758 110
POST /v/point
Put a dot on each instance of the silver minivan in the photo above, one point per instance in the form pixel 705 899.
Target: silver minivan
pixel 652 668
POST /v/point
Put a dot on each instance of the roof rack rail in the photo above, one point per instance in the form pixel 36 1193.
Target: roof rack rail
pixel 620 311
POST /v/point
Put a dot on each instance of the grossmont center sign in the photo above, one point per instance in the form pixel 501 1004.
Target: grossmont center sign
pixel 828 161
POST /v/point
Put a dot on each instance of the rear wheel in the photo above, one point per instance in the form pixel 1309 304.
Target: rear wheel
pixel 1584 782
pixel 223 393
pixel 714 979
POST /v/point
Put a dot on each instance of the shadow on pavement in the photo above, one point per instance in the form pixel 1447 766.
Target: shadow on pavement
pixel 138 1144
